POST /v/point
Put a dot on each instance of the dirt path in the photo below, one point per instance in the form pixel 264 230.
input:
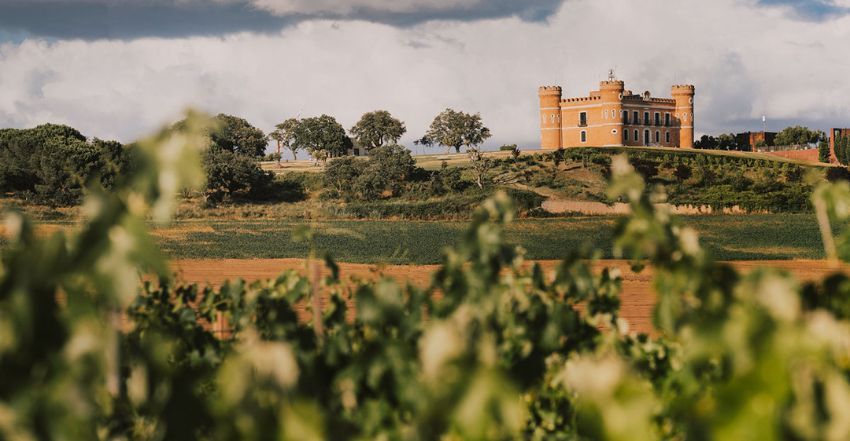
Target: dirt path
pixel 637 299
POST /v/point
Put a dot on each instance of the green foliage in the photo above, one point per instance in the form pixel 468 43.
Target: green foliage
pixel 233 177
pixel 376 129
pixel 842 149
pixel 798 135
pixel 823 151
pixel 237 135
pixel 446 180
pixel 322 136
pixel 388 170
pixel 52 164
pixel 454 129
pixel 61 360
pixel 493 348
pixel 695 178
pixel 284 136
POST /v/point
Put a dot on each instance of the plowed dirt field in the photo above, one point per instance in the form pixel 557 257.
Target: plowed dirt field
pixel 637 297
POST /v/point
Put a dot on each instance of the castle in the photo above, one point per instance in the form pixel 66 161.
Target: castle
pixel 614 116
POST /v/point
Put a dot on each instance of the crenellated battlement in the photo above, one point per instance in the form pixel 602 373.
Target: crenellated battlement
pixel 683 89
pixel 615 116
pixel 582 99
pixel 612 85
pixel 549 90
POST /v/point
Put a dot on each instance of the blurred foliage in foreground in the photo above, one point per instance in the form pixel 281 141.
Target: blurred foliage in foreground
pixel 505 353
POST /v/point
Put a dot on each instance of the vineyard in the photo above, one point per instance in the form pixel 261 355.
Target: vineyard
pixel 492 348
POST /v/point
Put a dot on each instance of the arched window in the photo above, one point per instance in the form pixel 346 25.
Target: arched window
pixel 657 137
pixel 646 137
pixel 583 136
pixel 667 137
pixel 626 135
pixel 637 136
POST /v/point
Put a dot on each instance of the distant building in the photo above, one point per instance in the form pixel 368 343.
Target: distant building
pixel 834 134
pixel 614 116
pixel 754 139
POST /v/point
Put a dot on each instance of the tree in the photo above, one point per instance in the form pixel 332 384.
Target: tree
pixel 727 141
pixel 376 129
pixel 480 165
pixel 823 151
pixel 233 176
pixel 707 142
pixel 454 129
pixel 323 137
pixel 56 163
pixel 798 135
pixel 284 136
pixel 842 150
pixel 237 135
pixel 387 169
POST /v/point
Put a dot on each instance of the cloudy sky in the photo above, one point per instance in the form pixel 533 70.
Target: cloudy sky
pixel 120 68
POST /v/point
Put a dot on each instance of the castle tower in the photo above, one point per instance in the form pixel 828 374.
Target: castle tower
pixel 611 92
pixel 684 96
pixel 550 117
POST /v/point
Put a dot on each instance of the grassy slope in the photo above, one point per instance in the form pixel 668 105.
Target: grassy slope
pixel 753 237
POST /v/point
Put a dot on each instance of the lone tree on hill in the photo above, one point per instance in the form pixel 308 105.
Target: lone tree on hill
pixel 376 129
pixel 798 135
pixel 237 135
pixel 323 137
pixel 456 129
pixel 284 136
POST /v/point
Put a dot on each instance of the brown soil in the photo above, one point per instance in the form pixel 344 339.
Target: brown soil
pixel 637 299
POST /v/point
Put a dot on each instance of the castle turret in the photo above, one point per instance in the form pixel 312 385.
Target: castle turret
pixel 684 96
pixel 611 92
pixel 550 117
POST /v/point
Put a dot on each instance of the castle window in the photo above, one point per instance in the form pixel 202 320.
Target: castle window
pixel 635 120
pixel 583 136
pixel 646 137
pixel 667 120
pixel 637 136
pixel 657 119
pixel 667 137
pixel 582 119
pixel 646 120
pixel 657 137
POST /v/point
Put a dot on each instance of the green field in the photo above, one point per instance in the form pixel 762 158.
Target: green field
pixel 752 237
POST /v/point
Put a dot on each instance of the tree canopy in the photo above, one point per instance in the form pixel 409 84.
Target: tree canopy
pixel 54 163
pixel 284 136
pixel 322 136
pixel 376 129
pixel 798 135
pixel 454 129
pixel 237 135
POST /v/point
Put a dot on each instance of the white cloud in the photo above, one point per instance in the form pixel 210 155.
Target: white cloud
pixel 346 7
pixel 744 60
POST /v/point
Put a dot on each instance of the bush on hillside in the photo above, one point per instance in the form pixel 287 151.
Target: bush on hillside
pixel 235 177
pixel 53 164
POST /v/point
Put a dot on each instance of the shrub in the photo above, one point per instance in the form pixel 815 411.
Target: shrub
pixel 340 173
pixel 446 180
pixel 233 177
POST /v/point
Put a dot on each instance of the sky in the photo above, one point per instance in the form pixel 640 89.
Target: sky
pixel 118 69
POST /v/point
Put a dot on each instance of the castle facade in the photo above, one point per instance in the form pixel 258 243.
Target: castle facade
pixel 614 116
